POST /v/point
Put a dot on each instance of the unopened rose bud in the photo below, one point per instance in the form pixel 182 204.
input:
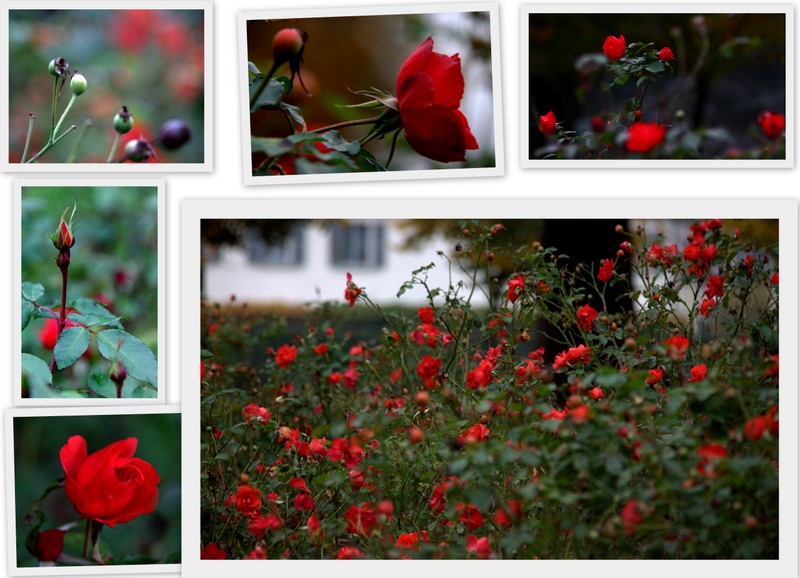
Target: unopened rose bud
pixel 78 84
pixel 117 373
pixel 49 545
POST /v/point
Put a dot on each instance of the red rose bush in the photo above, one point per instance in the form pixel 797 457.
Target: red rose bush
pixel 635 433
pixel 647 126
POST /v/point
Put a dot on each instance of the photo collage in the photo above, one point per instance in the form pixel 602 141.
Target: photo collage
pixel 468 283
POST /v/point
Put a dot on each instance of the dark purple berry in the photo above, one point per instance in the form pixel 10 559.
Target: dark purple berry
pixel 174 134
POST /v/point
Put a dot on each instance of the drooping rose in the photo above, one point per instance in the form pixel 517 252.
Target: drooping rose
pixel 614 47
pixel 110 485
pixel 429 87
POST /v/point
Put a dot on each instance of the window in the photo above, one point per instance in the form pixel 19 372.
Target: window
pixel 288 250
pixel 358 244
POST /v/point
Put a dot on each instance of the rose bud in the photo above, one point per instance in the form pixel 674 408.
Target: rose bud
pixel 49 545
pixel 58 67
pixel 78 84
pixel 63 238
pixel 287 44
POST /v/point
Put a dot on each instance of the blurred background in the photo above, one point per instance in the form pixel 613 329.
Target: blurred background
pixel 728 69
pixel 114 261
pixel 345 54
pixel 151 61
pixel 37 442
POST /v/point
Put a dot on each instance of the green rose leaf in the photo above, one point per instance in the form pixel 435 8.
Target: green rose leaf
pixel 36 371
pixel 71 344
pixel 139 361
pixel 101 384
pixel 28 311
pixel 32 291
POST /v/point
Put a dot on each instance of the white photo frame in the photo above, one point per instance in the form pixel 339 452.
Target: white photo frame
pixel 13 508
pixel 529 119
pixel 491 9
pixel 159 185
pixel 206 165
pixel 194 211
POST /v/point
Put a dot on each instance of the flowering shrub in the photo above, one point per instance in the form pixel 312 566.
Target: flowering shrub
pixel 652 104
pixel 652 434
pixel 425 109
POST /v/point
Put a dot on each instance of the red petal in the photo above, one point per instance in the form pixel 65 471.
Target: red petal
pixel 447 78
pixel 436 133
pixel 416 62
pixel 72 455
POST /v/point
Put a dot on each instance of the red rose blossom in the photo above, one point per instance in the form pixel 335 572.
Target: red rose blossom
pixel 698 372
pixel 614 48
pixel 429 91
pixel 110 485
pixel 547 123
pixel 479 546
pixel 606 271
pixel 213 552
pixel 515 287
pixel 586 316
pixel 351 291
pixel 285 355
pixel 772 124
pixel 666 54
pixel 643 137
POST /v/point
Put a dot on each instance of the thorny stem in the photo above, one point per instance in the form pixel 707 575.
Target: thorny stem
pixel 62 319
pixel 31 118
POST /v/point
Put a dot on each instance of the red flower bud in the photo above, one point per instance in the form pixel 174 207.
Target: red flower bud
pixel 49 545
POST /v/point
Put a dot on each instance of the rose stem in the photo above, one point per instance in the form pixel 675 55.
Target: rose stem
pixel 50 145
pixel 53 110
pixel 62 319
pixel 113 148
pixel 31 118
pixel 346 123
pixel 73 154
pixel 65 113
pixel 86 539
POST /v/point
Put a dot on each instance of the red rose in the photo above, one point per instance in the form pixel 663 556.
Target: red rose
pixel 213 552
pixel 429 367
pixel 666 54
pixel 547 123
pixel 586 316
pixel 351 291
pixel 606 271
pixel 596 393
pixel 49 545
pixel 631 517
pixel 349 553
pixel 773 125
pixel 515 287
pixel 429 90
pixel 360 520
pixel 285 355
pixel 252 411
pixel 480 546
pixel 714 286
pixel 109 486
pixel 426 315
pixel 677 346
pixel 654 376
pixel 643 137
pixel 246 499
pixel 614 48
pixel 698 372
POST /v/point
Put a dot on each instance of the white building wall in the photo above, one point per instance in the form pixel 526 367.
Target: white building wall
pixel 317 279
